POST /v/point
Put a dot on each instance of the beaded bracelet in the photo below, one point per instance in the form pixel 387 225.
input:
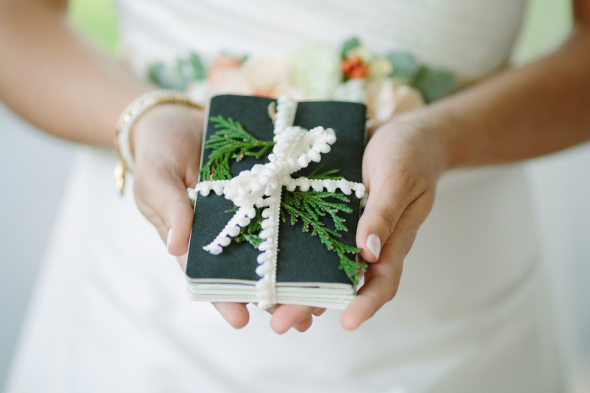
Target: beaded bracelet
pixel 128 117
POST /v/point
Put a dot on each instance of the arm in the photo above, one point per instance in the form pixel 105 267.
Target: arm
pixel 522 113
pixel 528 112
pixel 58 80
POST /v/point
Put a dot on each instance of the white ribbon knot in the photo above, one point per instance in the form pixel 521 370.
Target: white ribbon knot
pixel 261 186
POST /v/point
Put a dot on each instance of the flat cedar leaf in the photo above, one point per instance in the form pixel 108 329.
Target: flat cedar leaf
pixel 349 44
pixel 253 240
pixel 340 196
pixel 405 66
pixel 310 176
pixel 434 84
pixel 229 142
pixel 352 268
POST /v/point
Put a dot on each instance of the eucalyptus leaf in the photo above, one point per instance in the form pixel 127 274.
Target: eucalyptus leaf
pixel 199 72
pixel 434 84
pixel 349 44
pixel 183 73
pixel 405 66
pixel 161 76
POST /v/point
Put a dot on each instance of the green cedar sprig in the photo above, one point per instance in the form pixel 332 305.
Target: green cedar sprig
pixel 230 141
pixel 309 207
pixel 248 233
pixel 325 175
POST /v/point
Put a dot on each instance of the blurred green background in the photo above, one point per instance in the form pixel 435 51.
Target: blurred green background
pixel 546 24
pixel 97 19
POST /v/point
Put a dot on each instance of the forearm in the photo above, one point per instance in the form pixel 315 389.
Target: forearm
pixel 54 78
pixel 521 113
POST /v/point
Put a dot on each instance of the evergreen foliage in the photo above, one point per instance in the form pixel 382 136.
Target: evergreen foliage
pixel 231 141
pixel 309 207
pixel 323 176
pixel 249 232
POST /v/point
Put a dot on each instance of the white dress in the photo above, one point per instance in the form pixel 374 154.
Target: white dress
pixel 110 311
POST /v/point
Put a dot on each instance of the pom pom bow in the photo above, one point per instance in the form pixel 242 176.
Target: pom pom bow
pixel 261 187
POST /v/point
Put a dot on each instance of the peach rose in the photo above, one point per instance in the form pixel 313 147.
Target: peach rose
pixel 386 98
pixel 225 76
pixel 221 67
pixel 264 74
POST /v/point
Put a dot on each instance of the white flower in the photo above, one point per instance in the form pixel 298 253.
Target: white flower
pixel 386 98
pixel 263 74
pixel 362 52
pixel 199 91
pixel 352 90
pixel 380 67
pixel 315 70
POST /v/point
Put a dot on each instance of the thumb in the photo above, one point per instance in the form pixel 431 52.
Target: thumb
pixel 388 198
pixel 164 201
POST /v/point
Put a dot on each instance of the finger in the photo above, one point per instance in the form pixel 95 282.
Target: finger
pixel 382 278
pixel 164 192
pixel 271 310
pixel 304 325
pixel 391 191
pixel 236 314
pixel 380 288
pixel 182 261
pixel 319 312
pixel 287 316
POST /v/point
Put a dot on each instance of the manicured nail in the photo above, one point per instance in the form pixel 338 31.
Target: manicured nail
pixel 374 245
pixel 168 239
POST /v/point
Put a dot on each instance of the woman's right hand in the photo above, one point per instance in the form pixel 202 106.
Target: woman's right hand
pixel 166 142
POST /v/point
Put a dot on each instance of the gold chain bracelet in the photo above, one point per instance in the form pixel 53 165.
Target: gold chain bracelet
pixel 128 117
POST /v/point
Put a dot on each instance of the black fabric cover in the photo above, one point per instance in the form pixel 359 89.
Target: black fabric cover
pixel 301 257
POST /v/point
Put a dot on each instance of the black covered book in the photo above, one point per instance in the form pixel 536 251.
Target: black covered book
pixel 235 253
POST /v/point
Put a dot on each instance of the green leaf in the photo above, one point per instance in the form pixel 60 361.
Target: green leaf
pixel 199 72
pixel 349 44
pixel 161 76
pixel 308 207
pixel 325 175
pixel 405 66
pixel 253 240
pixel 229 142
pixel 434 84
pixel 351 268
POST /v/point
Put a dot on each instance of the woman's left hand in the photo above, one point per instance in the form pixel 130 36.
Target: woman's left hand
pixel 401 165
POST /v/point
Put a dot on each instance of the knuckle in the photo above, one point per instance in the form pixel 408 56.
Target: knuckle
pixel 163 211
pixel 389 219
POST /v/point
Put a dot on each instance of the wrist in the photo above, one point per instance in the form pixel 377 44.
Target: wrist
pixel 430 137
pixel 124 145
pixel 163 117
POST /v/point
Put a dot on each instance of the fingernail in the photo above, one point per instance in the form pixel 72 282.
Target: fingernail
pixel 168 239
pixel 374 245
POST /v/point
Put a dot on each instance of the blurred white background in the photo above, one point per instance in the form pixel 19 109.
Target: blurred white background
pixel 34 169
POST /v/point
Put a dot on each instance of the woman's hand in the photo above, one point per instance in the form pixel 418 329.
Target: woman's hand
pixel 401 165
pixel 166 143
